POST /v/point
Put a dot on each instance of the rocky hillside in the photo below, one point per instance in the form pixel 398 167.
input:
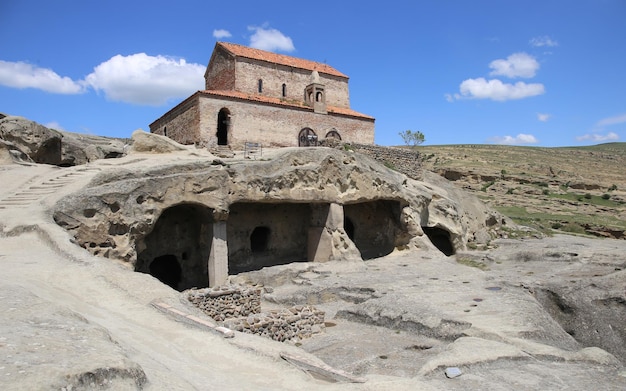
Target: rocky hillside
pixel 574 189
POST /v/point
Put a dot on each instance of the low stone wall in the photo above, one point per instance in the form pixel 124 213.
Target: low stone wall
pixel 225 302
pixel 404 160
pixel 239 308
pixel 291 324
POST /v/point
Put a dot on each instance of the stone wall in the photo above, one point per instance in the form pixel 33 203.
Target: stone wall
pixel 182 123
pixel 276 125
pixel 404 160
pixel 239 308
pixel 226 302
pixel 250 71
pixel 293 324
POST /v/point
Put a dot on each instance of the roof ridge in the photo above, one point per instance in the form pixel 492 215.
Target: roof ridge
pixel 282 59
pixel 283 102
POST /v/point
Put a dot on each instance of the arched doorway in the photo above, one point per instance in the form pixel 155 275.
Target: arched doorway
pixel 223 126
pixel 307 138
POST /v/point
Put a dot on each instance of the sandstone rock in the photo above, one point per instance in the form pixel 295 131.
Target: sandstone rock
pixel 144 142
pixel 383 209
pixel 80 149
pixel 41 144
pixel 29 141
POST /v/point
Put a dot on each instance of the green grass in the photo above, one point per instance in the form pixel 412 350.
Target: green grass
pixel 594 199
pixel 472 263
pixel 545 221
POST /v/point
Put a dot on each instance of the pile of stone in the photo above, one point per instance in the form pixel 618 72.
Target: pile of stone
pixel 225 302
pixel 293 324
pixel 239 308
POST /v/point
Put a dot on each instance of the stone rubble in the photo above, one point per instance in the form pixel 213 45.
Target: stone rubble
pixel 239 308
pixel 227 301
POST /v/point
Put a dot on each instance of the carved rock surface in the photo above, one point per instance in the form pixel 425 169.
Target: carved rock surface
pixel 113 215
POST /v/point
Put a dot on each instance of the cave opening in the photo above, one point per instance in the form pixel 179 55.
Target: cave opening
pixel 166 269
pixel 177 250
pixel 264 234
pixel 441 239
pixel 259 239
pixel 373 226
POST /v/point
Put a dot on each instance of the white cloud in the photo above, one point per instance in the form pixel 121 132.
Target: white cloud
pixel 618 119
pixel 221 33
pixel 24 75
pixel 520 139
pixel 596 137
pixel 496 90
pixel 543 117
pixel 54 125
pixel 543 41
pixel 515 65
pixel 146 80
pixel 270 40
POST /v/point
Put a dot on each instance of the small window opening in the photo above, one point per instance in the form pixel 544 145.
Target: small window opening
pixel 167 270
pixel 260 86
pixel 284 90
pixel 259 239
pixel 318 96
pixel 165 131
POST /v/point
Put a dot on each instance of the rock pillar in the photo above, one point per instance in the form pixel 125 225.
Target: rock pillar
pixel 325 219
pixel 218 258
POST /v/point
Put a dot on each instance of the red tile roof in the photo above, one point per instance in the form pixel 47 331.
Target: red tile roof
pixel 282 102
pixel 262 55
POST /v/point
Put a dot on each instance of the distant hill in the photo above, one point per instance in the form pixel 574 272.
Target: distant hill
pixel 568 189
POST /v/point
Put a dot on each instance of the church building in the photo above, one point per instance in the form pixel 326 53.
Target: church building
pixel 260 97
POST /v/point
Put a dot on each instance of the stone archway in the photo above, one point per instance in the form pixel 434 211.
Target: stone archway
pixel 223 126
pixel 177 249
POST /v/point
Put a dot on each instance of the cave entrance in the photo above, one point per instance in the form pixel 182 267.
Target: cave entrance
pixel 166 269
pixel 441 239
pixel 266 234
pixel 177 249
pixel 373 226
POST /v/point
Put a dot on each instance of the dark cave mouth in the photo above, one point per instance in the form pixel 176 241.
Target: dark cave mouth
pixel 441 239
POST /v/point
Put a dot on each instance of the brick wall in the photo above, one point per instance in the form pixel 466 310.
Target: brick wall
pixel 249 72
pixel 180 124
pixel 274 125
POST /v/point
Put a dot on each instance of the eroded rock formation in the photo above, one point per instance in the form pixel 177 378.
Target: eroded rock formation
pixel 23 140
pixel 170 214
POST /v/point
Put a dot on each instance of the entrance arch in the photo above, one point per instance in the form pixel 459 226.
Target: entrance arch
pixel 223 126
pixel 307 138
pixel 177 250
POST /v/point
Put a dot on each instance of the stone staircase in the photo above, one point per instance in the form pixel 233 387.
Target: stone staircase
pixel 37 188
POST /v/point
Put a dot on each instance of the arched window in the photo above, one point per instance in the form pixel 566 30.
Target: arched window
pixel 333 134
pixel 260 86
pixel 307 138
pixel 284 90
pixel 319 95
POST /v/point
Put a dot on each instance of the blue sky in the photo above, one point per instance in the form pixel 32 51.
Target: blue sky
pixel 544 73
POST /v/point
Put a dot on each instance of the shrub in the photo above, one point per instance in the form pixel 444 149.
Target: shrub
pixel 588 196
pixel 606 196
pixel 613 187
pixel 546 192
